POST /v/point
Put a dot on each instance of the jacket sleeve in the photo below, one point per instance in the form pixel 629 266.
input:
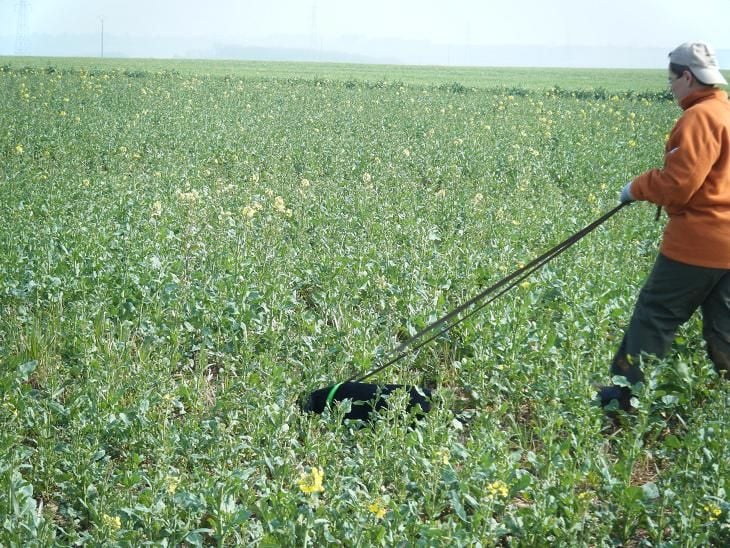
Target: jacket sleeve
pixel 692 150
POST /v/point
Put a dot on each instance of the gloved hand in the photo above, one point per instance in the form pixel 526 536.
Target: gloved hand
pixel 626 197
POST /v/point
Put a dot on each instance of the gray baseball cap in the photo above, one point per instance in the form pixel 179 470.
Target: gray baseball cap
pixel 700 58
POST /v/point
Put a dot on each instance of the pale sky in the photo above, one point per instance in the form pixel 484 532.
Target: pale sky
pixel 337 24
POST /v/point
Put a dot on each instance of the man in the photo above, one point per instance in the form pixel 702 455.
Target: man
pixel 692 269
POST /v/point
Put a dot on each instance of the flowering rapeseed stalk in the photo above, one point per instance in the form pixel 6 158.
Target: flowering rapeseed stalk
pixel 378 508
pixel 172 483
pixel 112 522
pixel 585 496
pixel 311 482
pixel 713 511
pixel 280 207
pixel 190 196
pixel 250 210
pixel 497 489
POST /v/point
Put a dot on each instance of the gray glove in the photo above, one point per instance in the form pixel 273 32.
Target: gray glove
pixel 626 197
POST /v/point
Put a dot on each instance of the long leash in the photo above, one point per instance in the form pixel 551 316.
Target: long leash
pixel 505 284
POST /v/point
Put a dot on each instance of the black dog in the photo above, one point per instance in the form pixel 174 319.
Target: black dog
pixel 366 398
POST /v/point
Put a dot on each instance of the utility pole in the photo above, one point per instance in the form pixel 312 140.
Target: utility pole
pixel 21 34
pixel 314 28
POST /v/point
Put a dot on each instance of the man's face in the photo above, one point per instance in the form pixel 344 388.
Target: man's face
pixel 681 85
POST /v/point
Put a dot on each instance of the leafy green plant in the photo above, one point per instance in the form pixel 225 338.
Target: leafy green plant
pixel 190 250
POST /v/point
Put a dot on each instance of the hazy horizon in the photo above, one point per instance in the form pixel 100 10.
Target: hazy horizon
pixel 357 50
pixel 568 33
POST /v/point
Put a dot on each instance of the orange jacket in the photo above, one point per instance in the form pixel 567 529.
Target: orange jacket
pixel 694 184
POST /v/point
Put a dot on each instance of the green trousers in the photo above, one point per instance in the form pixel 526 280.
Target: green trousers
pixel 669 297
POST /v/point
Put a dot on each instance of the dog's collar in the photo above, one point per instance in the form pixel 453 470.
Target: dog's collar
pixel 331 395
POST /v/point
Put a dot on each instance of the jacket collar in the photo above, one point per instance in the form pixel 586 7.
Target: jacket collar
pixel 701 95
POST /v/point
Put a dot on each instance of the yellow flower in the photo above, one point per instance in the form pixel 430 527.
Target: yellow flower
pixel 311 482
pixel 18 149
pixel 62 113
pixel 441 193
pixel 632 143
pixel 444 455
pixel 112 522
pixel 250 210
pixel 478 198
pixel 367 178
pixel 157 209
pixel 85 183
pixel 378 508
pixel 280 207
pixel 497 489
pixel 172 483
pixel 406 152
pixel 190 196
pixel 585 496
pixel 713 511
pixel 305 183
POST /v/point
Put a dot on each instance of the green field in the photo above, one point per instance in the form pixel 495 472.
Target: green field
pixel 189 248
pixel 479 77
